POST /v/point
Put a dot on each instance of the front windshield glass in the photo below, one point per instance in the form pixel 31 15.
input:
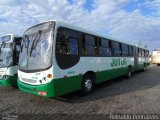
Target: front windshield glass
pixel 6 57
pixel 4 39
pixel 37 47
pixel 6 54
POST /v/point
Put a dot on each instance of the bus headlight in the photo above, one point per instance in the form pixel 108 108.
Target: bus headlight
pixel 44 78
pixel 49 75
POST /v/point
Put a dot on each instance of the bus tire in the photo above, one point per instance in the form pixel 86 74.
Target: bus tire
pixel 158 64
pixel 144 68
pixel 129 73
pixel 87 84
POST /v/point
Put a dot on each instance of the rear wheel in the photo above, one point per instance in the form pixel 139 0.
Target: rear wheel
pixel 144 68
pixel 129 74
pixel 87 84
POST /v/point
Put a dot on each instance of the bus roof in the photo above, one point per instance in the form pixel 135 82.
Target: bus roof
pixel 71 26
pixel 12 35
pixel 11 40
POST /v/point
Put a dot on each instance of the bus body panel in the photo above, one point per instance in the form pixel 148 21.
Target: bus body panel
pixel 10 80
pixel 61 86
pixel 36 78
pixel 12 70
pixel 69 80
pixel 56 87
pixel 8 74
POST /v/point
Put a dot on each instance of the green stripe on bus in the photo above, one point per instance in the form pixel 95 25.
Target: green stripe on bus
pixel 10 81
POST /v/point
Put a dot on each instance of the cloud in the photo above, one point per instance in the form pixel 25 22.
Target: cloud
pixel 109 17
pixel 154 5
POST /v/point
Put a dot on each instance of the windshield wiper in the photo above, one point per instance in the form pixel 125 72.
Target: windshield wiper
pixel 35 41
pixel 25 42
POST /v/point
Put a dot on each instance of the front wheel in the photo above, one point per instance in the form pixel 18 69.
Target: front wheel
pixel 87 84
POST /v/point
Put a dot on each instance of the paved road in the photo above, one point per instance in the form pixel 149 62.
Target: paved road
pixel 137 95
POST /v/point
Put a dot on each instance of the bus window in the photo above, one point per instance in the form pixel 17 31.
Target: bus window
pixel 73 46
pixel 116 48
pixel 130 51
pixel 143 53
pixel 67 43
pixel 146 53
pixel 125 50
pixel 139 52
pixel 88 45
pixel 104 49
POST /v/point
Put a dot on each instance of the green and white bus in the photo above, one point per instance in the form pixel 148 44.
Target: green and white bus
pixel 9 56
pixel 58 58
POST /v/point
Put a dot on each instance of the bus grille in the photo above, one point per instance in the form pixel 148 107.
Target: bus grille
pixel 29 80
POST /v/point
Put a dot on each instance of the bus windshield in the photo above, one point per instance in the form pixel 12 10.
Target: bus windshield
pixel 6 52
pixel 6 38
pixel 36 48
pixel 6 55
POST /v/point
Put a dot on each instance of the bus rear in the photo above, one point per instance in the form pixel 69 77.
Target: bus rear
pixel 9 56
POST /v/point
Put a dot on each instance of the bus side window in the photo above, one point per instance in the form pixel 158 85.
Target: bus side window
pixel 143 51
pixel 60 41
pixel 104 49
pixel 146 53
pixel 67 42
pixel 140 52
pixel 116 48
pixel 89 45
pixel 130 51
pixel 73 46
pixel 125 50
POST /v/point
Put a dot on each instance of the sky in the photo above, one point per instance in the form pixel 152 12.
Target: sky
pixel 131 21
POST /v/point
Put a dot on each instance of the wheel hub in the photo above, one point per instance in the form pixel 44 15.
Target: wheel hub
pixel 88 84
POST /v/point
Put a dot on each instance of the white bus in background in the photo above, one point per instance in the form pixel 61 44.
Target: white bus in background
pixel 9 56
pixel 156 57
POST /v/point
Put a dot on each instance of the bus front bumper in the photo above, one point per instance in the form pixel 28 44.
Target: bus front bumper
pixel 46 90
pixel 9 81
pixel 56 87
